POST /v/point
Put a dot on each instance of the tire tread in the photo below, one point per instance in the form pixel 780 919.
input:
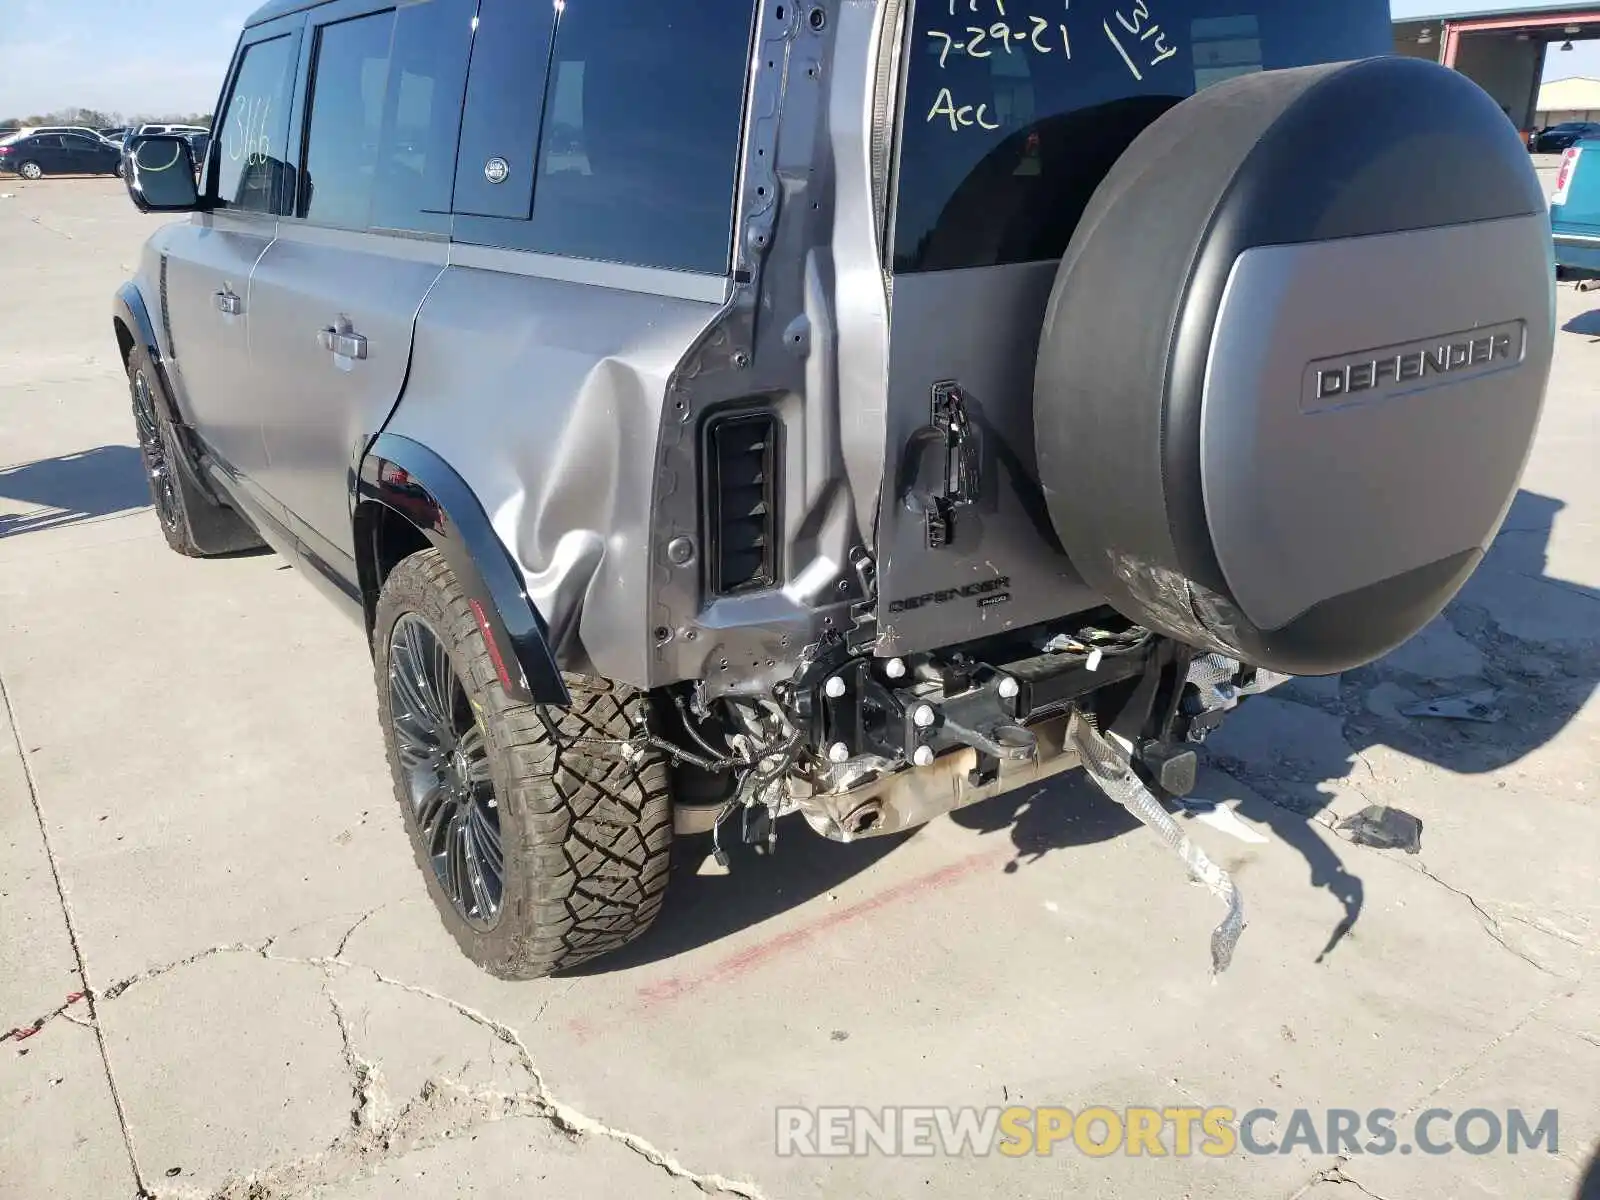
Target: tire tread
pixel 593 832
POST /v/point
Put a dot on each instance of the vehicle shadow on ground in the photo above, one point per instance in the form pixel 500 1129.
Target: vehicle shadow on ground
pixel 1293 748
pixel 705 908
pixel 1586 324
pixel 73 488
pixel 1589 1185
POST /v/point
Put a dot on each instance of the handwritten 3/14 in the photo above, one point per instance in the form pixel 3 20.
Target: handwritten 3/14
pixel 1145 35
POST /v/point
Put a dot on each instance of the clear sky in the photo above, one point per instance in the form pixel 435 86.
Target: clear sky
pixel 145 56
pixel 128 56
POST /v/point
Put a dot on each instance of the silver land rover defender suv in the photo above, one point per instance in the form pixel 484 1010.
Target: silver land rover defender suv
pixel 852 408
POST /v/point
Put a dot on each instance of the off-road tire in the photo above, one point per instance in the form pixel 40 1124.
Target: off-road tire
pixel 193 524
pixel 585 832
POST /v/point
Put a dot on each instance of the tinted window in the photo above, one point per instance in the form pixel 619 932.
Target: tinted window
pixel 500 123
pixel 252 173
pixel 639 152
pixel 350 76
pixel 1011 120
pixel 422 116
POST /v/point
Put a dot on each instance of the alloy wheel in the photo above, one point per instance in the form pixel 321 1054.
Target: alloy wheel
pixel 31 171
pixel 157 464
pixel 444 762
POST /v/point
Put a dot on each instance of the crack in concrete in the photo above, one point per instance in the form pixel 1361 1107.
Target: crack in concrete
pixel 1546 927
pixel 538 1017
pixel 442 1109
pixel 1497 1041
pixel 545 1104
pixel 70 921
pixel 366 1089
pixel 112 991
pixel 43 224
pixel 1336 1174
pixel 21 1033
pixel 1491 923
pixel 351 932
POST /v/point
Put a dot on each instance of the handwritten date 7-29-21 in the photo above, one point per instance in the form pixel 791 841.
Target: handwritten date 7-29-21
pixel 1002 37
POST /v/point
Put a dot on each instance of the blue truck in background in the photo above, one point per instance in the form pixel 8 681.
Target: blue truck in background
pixel 1575 213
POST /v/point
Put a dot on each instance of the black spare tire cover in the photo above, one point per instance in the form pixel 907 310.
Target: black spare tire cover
pixel 1294 360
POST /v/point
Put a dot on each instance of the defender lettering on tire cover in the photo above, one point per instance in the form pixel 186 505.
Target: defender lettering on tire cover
pixel 990 592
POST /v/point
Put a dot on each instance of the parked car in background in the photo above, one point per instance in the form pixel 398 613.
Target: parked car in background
pixel 42 154
pixel 81 130
pixel 199 146
pixel 1558 138
pixel 147 130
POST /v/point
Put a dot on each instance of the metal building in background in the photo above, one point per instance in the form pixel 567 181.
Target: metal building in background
pixel 1504 51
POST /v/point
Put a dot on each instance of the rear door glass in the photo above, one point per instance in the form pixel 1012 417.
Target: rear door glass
pixel 1015 110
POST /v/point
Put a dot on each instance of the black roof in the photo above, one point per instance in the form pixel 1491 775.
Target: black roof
pixel 273 9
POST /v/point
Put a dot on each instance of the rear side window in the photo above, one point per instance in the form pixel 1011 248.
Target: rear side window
pixel 1015 111
pixel 345 125
pixel 641 133
pixel 252 173
pixel 422 116
pixel 638 145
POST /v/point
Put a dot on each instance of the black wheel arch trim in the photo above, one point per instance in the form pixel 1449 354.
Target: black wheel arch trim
pixel 412 481
pixel 130 311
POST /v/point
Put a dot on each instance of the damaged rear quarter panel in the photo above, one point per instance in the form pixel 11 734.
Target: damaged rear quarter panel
pixel 545 395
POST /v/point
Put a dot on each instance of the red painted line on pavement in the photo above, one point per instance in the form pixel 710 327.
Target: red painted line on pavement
pixel 744 961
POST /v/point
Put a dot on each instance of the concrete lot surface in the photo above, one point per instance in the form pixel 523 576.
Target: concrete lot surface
pixel 207 899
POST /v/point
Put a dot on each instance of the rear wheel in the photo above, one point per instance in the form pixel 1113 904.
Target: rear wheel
pixel 541 844
pixel 193 524
pixel 31 170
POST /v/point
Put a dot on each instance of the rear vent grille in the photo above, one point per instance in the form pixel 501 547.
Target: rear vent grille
pixel 743 493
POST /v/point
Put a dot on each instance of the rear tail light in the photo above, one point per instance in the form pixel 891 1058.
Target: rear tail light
pixel 4 150
pixel 1569 167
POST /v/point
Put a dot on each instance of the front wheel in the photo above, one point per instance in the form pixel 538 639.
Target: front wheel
pixel 191 522
pixel 31 171
pixel 541 843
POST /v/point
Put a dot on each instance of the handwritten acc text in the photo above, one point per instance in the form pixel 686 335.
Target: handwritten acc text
pixel 1030 34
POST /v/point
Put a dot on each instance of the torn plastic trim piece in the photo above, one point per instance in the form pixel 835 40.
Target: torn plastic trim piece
pixel 1222 681
pixel 1113 774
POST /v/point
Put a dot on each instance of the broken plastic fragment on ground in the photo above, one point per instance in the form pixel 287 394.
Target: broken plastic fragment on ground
pixel 1383 828
pixel 1471 706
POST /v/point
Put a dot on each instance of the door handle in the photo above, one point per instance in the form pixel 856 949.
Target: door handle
pixel 228 303
pixel 342 341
